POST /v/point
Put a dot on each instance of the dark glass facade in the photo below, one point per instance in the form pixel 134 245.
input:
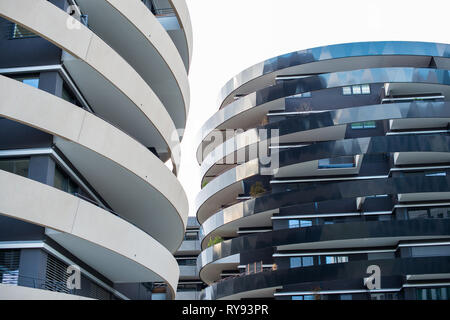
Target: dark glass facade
pixel 357 179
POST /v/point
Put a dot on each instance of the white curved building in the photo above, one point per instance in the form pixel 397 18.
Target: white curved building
pixel 93 94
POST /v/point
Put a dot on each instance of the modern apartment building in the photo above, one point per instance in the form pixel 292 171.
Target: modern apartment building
pixel 92 93
pixel 326 175
pixel 190 284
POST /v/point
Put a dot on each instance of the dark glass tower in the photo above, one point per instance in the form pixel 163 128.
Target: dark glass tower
pixel 350 180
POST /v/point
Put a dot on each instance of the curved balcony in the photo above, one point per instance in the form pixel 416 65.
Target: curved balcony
pixel 89 232
pixel 265 284
pixel 305 162
pixel 247 112
pixel 258 211
pixel 160 205
pixel 143 42
pixel 334 58
pixel 324 126
pixel 185 46
pixel 224 189
pixel 344 235
pixel 118 94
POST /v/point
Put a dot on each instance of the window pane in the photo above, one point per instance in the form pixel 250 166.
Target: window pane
pixel 305 223
pixel 307 261
pixel 297 297
pixel 357 125
pixel 16 166
pixel 418 214
pixel 369 125
pixel 294 224
pixel 365 89
pixel 34 82
pixel 330 260
pixel 356 89
pixel 295 262
pixel 21 167
pixel 346 91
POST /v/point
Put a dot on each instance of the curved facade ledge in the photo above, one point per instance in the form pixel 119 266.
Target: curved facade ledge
pixel 13 292
pixel 125 100
pixel 225 188
pixel 369 145
pixel 120 164
pixel 344 235
pixel 308 127
pixel 302 194
pixel 89 232
pixel 247 286
pixel 184 19
pixel 334 58
pixel 257 104
pixel 143 42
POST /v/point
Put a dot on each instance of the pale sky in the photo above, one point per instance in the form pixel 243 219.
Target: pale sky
pixel 232 35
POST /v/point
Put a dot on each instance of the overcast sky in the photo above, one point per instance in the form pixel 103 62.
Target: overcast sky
pixel 231 35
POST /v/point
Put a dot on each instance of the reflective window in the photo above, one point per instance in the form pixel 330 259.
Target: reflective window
pixel 17 166
pixel 187 262
pixel 336 259
pixel 442 293
pixel 294 224
pixel 346 91
pixel 363 125
pixel 31 80
pixel 296 262
pixel 338 162
pixel 365 89
pixel 191 235
pixel 307 261
pixel 305 223
pixel 356 89
pixel 63 182
pixel 418 214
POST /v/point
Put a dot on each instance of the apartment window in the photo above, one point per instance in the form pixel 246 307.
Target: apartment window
pixel 335 259
pixel 16 166
pixel 305 223
pixel 307 261
pixel 356 90
pixel 296 262
pixel 442 293
pixel 363 125
pixel 63 182
pixel 191 235
pixel 294 224
pixel 337 163
pixel 439 213
pixel 187 262
pixel 346 91
pixel 418 214
pixel 31 80
pixel 9 266
pixel 365 89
